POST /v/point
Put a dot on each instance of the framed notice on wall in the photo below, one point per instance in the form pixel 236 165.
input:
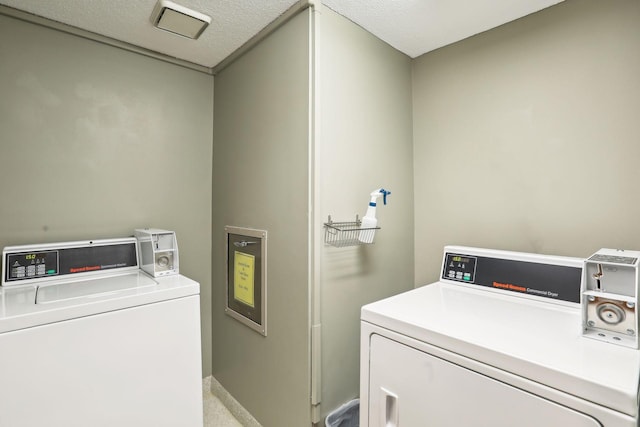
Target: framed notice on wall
pixel 247 277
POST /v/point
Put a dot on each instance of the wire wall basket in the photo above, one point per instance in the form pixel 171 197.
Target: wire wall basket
pixel 351 233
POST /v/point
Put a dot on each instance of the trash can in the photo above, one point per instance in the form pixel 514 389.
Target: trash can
pixel 347 415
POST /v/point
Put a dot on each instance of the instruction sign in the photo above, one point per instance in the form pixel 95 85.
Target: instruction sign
pixel 247 277
pixel 243 280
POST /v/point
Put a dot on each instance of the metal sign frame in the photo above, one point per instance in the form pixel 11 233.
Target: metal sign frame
pixel 246 259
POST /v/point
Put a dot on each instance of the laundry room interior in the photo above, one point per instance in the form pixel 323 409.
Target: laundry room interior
pixel 523 137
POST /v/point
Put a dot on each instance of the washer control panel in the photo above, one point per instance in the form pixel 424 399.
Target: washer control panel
pixel 37 263
pixel 29 265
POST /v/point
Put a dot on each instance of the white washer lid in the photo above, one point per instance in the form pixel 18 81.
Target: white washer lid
pixel 535 340
pixel 69 299
pixel 93 288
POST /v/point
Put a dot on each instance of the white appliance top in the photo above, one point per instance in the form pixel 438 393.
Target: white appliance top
pixel 535 338
pixel 25 306
pixel 54 282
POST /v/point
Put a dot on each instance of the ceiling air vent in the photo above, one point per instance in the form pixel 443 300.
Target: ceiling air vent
pixel 179 20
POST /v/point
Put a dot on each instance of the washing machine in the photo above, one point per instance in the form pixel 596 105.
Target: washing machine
pixel 496 342
pixel 89 339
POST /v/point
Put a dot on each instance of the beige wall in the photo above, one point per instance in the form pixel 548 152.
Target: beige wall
pixel 365 142
pixel 261 180
pixel 96 141
pixel 526 137
pixel 261 150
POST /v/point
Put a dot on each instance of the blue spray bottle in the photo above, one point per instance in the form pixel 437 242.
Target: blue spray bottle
pixel 369 222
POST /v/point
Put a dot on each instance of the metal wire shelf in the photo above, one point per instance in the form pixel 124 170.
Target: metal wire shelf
pixel 350 233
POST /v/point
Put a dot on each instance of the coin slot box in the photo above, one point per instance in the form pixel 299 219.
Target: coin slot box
pixel 158 251
pixel 610 297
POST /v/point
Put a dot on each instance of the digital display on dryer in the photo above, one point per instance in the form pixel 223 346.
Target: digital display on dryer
pixel 459 267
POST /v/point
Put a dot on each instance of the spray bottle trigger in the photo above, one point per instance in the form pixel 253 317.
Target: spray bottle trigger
pixel 384 195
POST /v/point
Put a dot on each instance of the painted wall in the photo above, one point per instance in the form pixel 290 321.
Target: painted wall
pixel 261 180
pixel 527 136
pixel 96 141
pixel 365 143
pixel 524 138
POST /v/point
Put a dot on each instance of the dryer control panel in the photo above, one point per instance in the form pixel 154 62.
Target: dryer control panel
pixel 460 267
pixel 531 275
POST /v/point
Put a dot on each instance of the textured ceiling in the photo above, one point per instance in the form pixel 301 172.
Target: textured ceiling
pixel 233 22
pixel 419 26
pixel 411 26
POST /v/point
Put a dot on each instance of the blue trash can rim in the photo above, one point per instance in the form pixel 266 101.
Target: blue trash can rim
pixel 347 415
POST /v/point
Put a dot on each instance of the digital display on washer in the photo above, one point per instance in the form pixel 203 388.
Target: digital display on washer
pixel 31 265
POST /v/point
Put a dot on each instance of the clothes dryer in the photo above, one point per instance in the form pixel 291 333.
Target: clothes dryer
pixel 497 341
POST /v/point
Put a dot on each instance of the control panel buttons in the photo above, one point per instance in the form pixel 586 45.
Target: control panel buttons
pixel 460 268
pixel 31 265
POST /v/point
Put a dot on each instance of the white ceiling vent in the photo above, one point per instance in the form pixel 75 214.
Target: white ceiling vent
pixel 178 19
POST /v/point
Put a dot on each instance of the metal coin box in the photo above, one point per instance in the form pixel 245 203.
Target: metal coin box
pixel 610 297
pixel 158 251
